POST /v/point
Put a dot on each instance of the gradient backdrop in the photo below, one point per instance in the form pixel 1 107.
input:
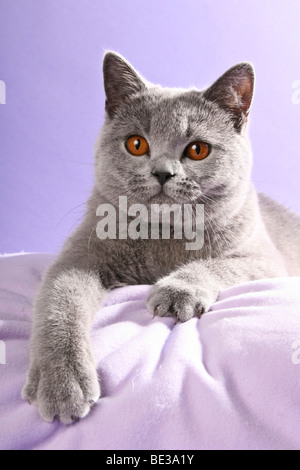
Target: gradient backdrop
pixel 50 61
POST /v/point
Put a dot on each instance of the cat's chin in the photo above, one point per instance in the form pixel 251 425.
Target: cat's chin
pixel 161 198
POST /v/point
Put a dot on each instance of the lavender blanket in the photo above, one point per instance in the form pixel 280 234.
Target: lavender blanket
pixel 230 380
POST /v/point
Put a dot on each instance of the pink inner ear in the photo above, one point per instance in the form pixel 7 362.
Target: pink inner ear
pixel 245 93
pixel 233 92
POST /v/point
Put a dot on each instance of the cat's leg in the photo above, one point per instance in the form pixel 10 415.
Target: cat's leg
pixel 193 288
pixel 62 379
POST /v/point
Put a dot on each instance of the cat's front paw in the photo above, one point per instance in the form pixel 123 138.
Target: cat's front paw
pixel 175 297
pixel 63 392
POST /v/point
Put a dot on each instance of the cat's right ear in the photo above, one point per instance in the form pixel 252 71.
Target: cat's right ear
pixel 120 81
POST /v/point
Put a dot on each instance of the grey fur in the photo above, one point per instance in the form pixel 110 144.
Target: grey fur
pixel 247 236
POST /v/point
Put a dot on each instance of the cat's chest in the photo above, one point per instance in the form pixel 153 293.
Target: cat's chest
pixel 130 262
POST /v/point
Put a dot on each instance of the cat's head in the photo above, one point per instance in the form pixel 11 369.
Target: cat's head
pixel 161 145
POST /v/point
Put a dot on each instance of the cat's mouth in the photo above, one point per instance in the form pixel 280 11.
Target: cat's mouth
pixel 180 191
pixel 172 195
pixel 161 197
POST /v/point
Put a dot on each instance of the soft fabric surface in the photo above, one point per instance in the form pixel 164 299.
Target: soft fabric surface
pixel 230 380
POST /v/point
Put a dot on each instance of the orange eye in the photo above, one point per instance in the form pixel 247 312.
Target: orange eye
pixel 197 150
pixel 137 145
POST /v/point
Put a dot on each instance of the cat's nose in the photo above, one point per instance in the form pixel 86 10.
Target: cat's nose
pixel 163 176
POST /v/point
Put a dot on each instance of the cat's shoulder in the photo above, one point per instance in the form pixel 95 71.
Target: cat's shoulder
pixel 271 208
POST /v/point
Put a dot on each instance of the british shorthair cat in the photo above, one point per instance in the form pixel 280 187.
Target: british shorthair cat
pixel 157 146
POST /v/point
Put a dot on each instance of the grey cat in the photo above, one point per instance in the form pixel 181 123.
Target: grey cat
pixel 157 145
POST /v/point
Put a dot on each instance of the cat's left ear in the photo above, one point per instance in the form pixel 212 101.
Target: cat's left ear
pixel 120 81
pixel 233 92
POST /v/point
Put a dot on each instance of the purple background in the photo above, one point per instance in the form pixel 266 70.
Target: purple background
pixel 50 59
